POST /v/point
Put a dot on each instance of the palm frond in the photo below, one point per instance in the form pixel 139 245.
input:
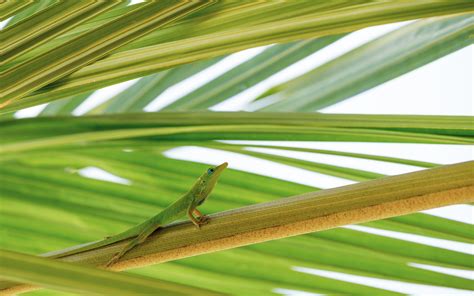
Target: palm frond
pixel 141 162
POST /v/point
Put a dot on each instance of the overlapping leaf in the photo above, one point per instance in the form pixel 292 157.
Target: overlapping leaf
pixel 10 8
pixel 249 73
pixel 372 64
pixel 93 45
pixel 75 278
pixel 308 23
pixel 330 83
pixel 20 136
pixel 47 24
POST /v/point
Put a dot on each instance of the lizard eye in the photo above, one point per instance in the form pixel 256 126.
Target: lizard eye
pixel 210 171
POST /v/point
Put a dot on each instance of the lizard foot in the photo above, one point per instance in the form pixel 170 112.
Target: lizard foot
pixel 204 219
pixel 200 221
pixel 113 260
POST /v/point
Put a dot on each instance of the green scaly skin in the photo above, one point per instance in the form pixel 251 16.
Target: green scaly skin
pixel 186 205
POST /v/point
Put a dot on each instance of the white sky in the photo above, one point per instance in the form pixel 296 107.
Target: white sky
pixel 443 87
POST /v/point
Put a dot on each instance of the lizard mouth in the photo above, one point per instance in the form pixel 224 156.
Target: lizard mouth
pixel 218 170
pixel 222 166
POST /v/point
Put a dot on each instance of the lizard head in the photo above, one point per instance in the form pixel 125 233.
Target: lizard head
pixel 208 180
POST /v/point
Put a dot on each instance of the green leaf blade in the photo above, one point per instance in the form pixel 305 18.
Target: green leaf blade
pixel 373 63
pixel 75 278
pixel 94 44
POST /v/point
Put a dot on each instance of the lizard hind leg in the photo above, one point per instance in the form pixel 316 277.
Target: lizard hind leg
pixel 140 238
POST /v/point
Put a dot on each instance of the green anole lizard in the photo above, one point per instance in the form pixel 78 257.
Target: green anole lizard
pixel 186 205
